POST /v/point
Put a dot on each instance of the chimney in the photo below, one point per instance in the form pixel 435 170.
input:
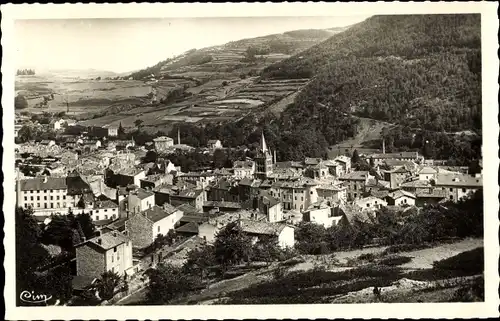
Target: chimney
pixel 115 234
pixel 275 156
pixel 383 146
pixel 99 241
pixel 178 136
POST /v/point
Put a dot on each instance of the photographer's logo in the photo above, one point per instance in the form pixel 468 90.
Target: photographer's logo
pixel 32 297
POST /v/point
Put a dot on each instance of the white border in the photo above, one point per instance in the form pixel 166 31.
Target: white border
pixel 395 310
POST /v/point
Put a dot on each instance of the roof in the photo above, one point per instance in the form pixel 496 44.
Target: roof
pixel 312 161
pixel 396 155
pixel 105 204
pixel 157 213
pixel 142 193
pixel 36 184
pixel 187 208
pixel 267 199
pixel 80 282
pixel 243 164
pixel 162 138
pixel 191 227
pixel 400 193
pixel 221 204
pixel 260 227
pixel 355 176
pixel 107 241
pixel 428 170
pixel 368 199
pixel 458 180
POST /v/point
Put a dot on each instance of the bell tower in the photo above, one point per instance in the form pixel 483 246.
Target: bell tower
pixel 263 160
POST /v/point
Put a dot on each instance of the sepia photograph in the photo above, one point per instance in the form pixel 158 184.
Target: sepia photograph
pixel 274 160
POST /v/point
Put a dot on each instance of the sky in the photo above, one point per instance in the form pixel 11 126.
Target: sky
pixel 123 45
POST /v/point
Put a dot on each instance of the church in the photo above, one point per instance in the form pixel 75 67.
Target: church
pixel 263 161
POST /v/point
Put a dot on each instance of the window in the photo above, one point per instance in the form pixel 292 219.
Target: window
pixel 463 190
pixel 114 249
pixel 51 190
pixel 105 210
pixel 31 198
pixel 451 197
pixel 57 197
pixel 51 198
pixel 64 204
pixel 311 192
pixel 26 198
pixel 38 192
pixel 295 197
pixel 38 198
pixel 64 197
pixel 158 228
pixel 105 217
pixel 97 218
pixel 44 205
pixel 112 259
pixel 58 205
pixel 51 205
pixel 45 198
pixel 451 189
pixel 37 204
pixel 368 205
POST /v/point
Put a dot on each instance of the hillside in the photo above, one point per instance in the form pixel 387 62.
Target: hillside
pixel 420 71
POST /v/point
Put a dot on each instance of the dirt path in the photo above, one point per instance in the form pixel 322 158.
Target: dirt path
pixel 423 259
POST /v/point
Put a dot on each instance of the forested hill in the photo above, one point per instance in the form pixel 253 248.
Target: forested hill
pixel 420 71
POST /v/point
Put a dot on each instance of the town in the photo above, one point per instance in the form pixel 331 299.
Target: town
pixel 135 209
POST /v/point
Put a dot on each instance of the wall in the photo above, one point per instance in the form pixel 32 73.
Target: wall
pixel 321 216
pixel 207 232
pixel 287 237
pixel 89 262
pixel 140 231
pixel 121 260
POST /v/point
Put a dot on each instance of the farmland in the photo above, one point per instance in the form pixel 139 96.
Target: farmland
pixel 213 85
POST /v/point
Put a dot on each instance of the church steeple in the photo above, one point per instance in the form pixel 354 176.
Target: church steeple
pixel 263 144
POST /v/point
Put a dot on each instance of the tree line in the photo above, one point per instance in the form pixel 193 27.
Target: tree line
pixel 25 72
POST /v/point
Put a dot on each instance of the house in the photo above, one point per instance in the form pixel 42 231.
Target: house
pixel 107 252
pixel 335 194
pixel 140 200
pixel 427 174
pixel 117 175
pixel 156 180
pixel 243 169
pixel 355 183
pixel 104 210
pixel 396 176
pixel 295 195
pixel 214 144
pixel 379 159
pixel 458 186
pixel 200 179
pixel 145 226
pixel 58 124
pixel 344 164
pixel 163 143
pixel 271 207
pixel 318 171
pixel 91 144
pixel 112 131
pixel 401 198
pixel 223 190
pixel 321 213
pixel 51 195
pixel 222 206
pixel 370 203
pixel 285 234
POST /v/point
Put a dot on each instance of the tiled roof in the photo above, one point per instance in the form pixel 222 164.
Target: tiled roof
pixel 142 193
pixel 355 176
pixel 108 240
pixel 400 193
pixel 39 184
pixel 191 227
pixel 105 204
pixel 156 213
pixel 428 170
pixel 243 164
pixel 458 180
pixel 260 227
pixel 221 204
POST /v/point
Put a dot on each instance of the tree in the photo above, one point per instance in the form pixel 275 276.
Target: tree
pixel 199 260
pixel 20 102
pixel 150 157
pixel 231 245
pixel 355 157
pixel 121 131
pixel 310 238
pixel 168 282
pixel 219 158
pixel 138 122
pixel 84 222
pixel 267 249
pixel 107 284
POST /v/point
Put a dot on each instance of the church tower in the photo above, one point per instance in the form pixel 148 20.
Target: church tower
pixel 263 160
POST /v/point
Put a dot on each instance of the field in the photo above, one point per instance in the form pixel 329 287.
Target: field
pixel 447 272
pixel 216 84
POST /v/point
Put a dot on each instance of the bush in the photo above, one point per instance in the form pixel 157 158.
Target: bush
pixel 469 262
pixel 404 248
pixel 395 260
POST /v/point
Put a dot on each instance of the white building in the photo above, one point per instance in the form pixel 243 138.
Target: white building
pixel 370 203
pixel 140 200
pixel 458 186
pixel 427 173
pixel 322 214
pixel 401 198
pixel 243 169
pixel 214 144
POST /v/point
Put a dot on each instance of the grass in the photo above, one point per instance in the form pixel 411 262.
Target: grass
pixel 314 285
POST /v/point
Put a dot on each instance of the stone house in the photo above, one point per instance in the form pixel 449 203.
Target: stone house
pixel 401 198
pixel 144 227
pixel 107 252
